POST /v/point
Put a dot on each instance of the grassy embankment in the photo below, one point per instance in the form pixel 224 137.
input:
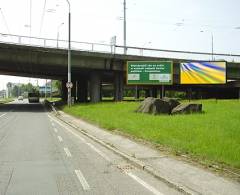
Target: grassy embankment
pixel 5 100
pixel 210 137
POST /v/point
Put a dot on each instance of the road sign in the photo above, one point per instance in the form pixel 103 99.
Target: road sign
pixel 149 72
pixel 69 85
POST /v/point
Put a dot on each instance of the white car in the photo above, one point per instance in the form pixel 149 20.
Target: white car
pixel 20 97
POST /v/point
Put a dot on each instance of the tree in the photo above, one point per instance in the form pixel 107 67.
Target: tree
pixel 15 91
pixel 57 85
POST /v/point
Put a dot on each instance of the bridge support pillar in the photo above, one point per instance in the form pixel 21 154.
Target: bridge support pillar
pixel 64 90
pixel 118 86
pixel 82 90
pixel 95 87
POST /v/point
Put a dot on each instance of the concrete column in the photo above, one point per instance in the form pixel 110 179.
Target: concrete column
pixel 82 90
pixel 64 90
pixel 95 87
pixel 118 86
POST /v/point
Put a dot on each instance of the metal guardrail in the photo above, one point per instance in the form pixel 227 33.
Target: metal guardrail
pixel 115 49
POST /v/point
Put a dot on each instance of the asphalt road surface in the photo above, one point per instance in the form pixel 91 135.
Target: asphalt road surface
pixel 41 155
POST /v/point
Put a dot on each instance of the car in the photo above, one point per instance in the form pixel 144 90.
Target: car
pixel 20 97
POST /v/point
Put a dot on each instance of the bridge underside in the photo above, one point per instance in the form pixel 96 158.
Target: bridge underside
pixel 92 71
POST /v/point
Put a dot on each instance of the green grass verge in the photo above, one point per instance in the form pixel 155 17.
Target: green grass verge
pixel 5 100
pixel 212 137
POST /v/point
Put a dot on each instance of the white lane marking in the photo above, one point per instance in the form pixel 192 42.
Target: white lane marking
pixel 99 152
pixel 55 130
pixel 3 115
pixel 60 138
pixel 72 132
pixel 83 140
pixel 82 180
pixel 68 153
pixel 144 184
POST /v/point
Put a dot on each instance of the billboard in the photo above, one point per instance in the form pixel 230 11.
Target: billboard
pixel 149 72
pixel 203 73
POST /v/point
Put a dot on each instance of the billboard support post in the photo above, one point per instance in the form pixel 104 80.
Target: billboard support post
pixel 136 92
pixel 162 91
pixel 190 94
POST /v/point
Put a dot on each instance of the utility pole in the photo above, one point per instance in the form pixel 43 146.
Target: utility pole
pixel 30 28
pixel 69 54
pixel 124 28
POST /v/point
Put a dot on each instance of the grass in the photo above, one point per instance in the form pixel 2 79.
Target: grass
pixel 211 137
pixel 54 99
pixel 5 100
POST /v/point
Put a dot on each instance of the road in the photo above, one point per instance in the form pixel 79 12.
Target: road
pixel 41 155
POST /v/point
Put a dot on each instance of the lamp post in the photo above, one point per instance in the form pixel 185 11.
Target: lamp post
pixel 69 53
pixel 212 45
pixel 212 41
pixel 59 26
pixel 124 28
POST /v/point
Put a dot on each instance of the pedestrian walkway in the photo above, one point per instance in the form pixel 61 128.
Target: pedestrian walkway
pixel 182 175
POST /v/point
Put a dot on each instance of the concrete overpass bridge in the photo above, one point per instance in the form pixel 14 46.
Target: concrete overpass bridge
pixel 95 64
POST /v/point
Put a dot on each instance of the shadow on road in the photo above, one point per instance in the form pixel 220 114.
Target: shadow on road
pixel 23 107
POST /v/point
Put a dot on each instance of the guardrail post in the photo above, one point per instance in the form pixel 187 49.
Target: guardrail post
pixel 92 46
pixel 19 40
pixel 44 42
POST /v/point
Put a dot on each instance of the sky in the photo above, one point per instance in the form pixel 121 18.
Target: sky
pixel 163 24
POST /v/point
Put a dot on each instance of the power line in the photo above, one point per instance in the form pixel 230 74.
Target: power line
pixel 42 18
pixel 5 21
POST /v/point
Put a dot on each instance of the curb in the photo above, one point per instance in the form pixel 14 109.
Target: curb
pixel 130 159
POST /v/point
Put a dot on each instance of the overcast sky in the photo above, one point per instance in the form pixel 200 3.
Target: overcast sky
pixel 163 24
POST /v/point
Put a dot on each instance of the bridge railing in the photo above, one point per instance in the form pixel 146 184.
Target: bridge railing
pixel 115 49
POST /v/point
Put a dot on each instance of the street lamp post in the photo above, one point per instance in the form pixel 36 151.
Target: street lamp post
pixel 124 28
pixel 212 41
pixel 58 32
pixel 212 45
pixel 69 53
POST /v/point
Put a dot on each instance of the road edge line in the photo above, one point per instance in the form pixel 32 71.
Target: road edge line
pixel 134 161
